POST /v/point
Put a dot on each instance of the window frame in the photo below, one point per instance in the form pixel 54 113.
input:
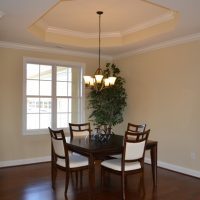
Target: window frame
pixel 54 63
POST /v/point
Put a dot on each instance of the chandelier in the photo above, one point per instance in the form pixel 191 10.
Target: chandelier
pixel 99 81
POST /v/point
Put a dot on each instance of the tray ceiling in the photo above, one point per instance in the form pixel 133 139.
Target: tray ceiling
pixel 134 34
pixel 75 22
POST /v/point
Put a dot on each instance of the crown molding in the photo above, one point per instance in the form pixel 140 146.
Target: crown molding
pixel 164 18
pixel 5 44
pixel 169 43
pixel 67 32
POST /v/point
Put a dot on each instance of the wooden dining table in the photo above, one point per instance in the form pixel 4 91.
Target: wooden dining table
pixel 96 149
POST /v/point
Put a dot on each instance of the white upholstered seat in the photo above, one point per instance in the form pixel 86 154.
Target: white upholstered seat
pixel 115 164
pixel 75 160
pixel 132 158
pixel 131 128
pixel 61 158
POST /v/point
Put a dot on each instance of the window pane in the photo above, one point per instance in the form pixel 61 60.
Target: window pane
pixel 32 71
pixel 63 105
pixel 69 118
pixel 69 74
pixel 70 105
pixel 45 120
pixel 61 73
pixel 32 105
pixel 45 72
pixel 45 88
pixel 32 87
pixel 32 121
pixel 45 105
pixel 69 89
pixel 62 120
pixel 61 88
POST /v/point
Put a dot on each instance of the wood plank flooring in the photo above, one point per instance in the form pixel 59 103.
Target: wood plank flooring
pixel 33 182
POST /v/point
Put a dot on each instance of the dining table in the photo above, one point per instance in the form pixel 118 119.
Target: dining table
pixel 98 149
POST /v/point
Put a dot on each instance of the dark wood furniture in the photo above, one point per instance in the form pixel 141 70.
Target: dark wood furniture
pixel 136 127
pixel 131 128
pixel 132 160
pixel 79 129
pixel 60 158
pixel 97 150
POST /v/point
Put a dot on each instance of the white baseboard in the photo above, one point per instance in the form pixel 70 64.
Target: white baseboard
pixel 176 168
pixel 10 163
pixel 172 167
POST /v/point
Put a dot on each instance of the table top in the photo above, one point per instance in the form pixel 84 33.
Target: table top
pixel 88 145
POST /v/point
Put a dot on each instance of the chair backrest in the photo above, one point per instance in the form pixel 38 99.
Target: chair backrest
pixel 79 129
pixel 134 145
pixel 136 127
pixel 58 145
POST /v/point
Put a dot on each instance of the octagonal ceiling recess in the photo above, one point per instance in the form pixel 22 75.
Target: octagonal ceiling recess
pixel 75 22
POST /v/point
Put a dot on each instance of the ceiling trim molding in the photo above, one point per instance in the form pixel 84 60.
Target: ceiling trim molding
pixel 169 43
pixel 164 18
pixel 67 32
pixel 5 44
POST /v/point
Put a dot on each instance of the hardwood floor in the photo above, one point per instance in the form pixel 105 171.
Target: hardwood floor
pixel 33 182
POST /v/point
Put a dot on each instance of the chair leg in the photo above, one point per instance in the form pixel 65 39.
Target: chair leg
pixel 53 175
pixel 76 173
pixel 66 182
pixel 126 181
pixel 123 186
pixel 102 176
pixel 81 178
pixel 141 185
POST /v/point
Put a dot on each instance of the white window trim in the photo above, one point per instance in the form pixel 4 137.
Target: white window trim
pixel 53 62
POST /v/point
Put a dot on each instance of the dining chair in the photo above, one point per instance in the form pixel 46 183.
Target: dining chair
pixel 61 159
pixel 79 129
pixel 132 160
pixel 136 127
pixel 131 128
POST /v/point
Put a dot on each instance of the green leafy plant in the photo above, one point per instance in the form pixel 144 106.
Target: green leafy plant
pixel 107 105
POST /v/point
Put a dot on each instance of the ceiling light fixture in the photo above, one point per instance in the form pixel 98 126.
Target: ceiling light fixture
pixel 99 81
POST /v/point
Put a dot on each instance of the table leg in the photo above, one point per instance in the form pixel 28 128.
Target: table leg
pixel 153 152
pixel 91 177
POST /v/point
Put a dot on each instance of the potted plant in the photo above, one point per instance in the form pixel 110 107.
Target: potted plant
pixel 107 105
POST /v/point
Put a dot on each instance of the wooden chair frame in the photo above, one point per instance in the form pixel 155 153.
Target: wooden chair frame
pixel 59 135
pixel 138 137
pixel 79 128
pixel 137 127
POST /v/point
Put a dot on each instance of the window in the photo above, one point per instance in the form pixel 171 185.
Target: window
pixel 53 95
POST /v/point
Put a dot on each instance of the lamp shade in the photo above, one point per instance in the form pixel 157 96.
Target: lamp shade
pixel 98 78
pixel 87 79
pixel 112 80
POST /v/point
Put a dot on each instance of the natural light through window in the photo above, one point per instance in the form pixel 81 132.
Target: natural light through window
pixel 52 95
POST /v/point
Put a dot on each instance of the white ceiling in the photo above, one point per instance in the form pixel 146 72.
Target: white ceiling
pixel 19 15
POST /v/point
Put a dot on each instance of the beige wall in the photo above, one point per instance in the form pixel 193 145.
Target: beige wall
pixel 163 89
pixel 14 145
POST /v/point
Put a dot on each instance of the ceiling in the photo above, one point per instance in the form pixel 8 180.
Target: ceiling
pixel 126 25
